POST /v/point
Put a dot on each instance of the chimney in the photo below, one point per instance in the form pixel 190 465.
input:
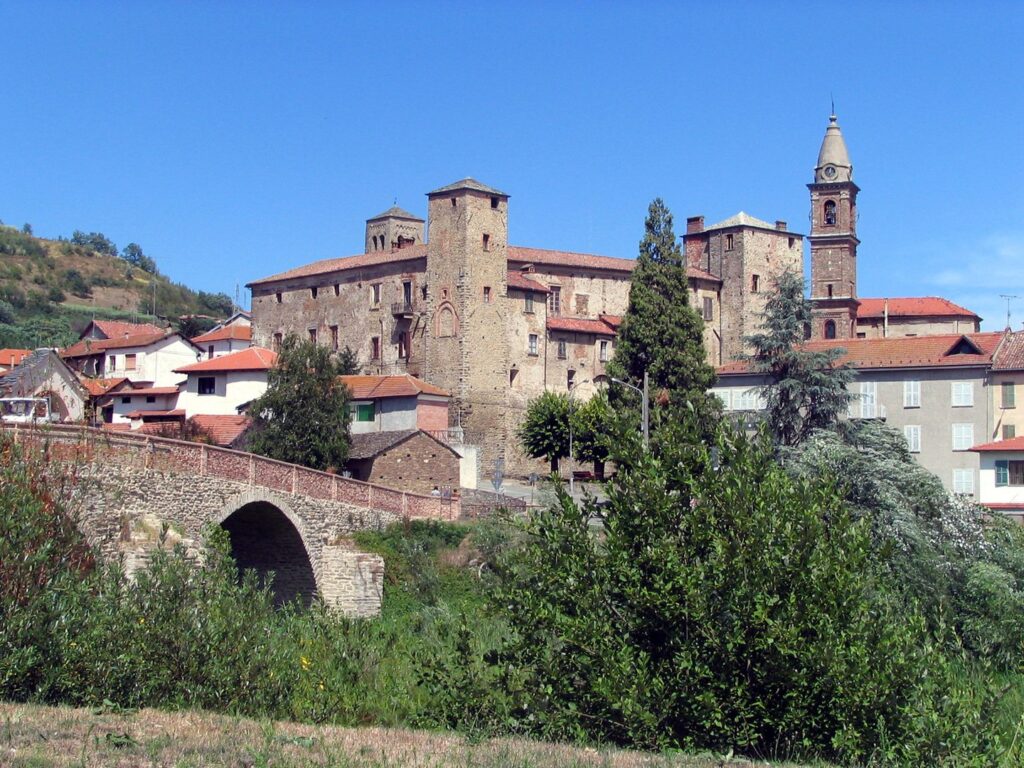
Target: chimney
pixel 694 224
pixel 780 225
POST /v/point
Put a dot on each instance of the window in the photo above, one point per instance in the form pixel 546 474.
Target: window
pixel 911 394
pixel 209 351
pixel 582 304
pixel 334 338
pixel 494 202
pixel 755 283
pixel 278 297
pixel 487 294
pixel 375 294
pixel 487 242
pixel 532 344
pixel 529 303
pixel 570 379
pixel 962 394
pixel 407 292
pixel 453 202
pixel 278 337
pixel 126 400
pixel 963 481
pixel 150 398
pixel 913 434
pixel 1009 473
pixel 602 351
pixel 111 363
pixel 129 362
pixel 728 242
pixel 830 329
pixel 312 335
pixel 207 385
pixel 403 345
pixel 725 395
pixel 830 213
pixel 861 335
pixel 555 300
pixel 364 412
pixel 709 309
pixel 375 348
pixel 337 289
pixel 963 436
pixel 868 399
pixel 830 290
pixel 313 292
pixel 1009 395
pixel 562 349
pixel 1009 431
pixel 746 400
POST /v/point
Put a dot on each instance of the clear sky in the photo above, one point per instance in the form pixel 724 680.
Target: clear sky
pixel 234 140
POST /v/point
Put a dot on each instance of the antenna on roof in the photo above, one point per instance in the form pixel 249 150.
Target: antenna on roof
pixel 1008 297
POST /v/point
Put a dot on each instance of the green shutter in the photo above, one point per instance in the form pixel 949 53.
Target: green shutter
pixel 1009 395
pixel 364 412
pixel 1002 473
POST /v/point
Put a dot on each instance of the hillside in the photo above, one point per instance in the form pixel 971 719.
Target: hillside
pixel 51 289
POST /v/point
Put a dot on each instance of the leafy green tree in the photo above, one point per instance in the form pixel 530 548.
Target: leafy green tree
pixel 303 416
pixel 133 254
pixel 807 389
pixel 660 333
pixel 97 241
pixel 348 362
pixel 592 431
pixel 26 229
pixel 544 432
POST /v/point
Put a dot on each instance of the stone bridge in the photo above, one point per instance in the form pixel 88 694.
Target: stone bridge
pixel 139 492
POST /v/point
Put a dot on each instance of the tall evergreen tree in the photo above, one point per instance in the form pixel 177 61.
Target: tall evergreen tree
pixel 303 416
pixel 660 332
pixel 807 390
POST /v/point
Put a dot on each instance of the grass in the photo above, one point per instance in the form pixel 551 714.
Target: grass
pixel 37 737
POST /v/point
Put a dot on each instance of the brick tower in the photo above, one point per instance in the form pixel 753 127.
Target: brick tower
pixel 467 349
pixel 833 239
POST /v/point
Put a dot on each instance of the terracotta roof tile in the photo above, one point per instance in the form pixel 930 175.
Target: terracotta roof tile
pixel 1013 444
pixel 99 387
pixel 521 280
pixel 1010 356
pixel 150 391
pixel 700 274
pixel 580 325
pixel 233 332
pixel 142 414
pixel 363 387
pixel 915 306
pixel 113 329
pixel 11 357
pixel 89 347
pixel 224 430
pixel 569 259
pixel 326 266
pixel 901 352
pixel 251 359
pixel 613 320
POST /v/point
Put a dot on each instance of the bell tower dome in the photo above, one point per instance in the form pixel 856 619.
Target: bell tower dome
pixel 833 239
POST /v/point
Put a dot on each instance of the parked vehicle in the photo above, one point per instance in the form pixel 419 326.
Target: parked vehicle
pixel 26 410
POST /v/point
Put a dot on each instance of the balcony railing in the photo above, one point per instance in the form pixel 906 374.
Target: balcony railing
pixel 403 309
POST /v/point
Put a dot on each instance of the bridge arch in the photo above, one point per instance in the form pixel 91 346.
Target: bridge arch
pixel 268 536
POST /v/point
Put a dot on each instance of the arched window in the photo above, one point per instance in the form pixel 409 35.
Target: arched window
pixel 830 329
pixel 830 213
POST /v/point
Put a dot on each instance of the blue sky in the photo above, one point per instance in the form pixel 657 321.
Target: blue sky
pixel 234 140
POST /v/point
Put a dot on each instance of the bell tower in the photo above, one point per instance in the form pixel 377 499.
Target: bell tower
pixel 833 240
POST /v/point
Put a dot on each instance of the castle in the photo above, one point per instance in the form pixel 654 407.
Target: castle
pixel 496 324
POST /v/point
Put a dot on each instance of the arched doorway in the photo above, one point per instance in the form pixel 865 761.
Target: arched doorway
pixel 263 539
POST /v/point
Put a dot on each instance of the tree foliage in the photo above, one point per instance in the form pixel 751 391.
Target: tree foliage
pixel 132 253
pixel 348 362
pixel 807 390
pixel 96 241
pixel 303 416
pixel 593 425
pixel 660 333
pixel 544 432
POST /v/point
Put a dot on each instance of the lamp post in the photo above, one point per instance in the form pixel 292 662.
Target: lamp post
pixel 645 411
pixel 572 479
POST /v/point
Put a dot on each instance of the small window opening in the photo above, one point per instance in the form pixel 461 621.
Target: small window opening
pixel 830 213
pixel 313 291
pixel 150 398
pixel 570 379
pixel 830 329
pixel 278 337
pixel 278 297
pixel 529 303
pixel 830 290
pixel 487 294
pixel 375 348
pixel 453 202
pixel 312 335
pixel 337 289
pixel 755 283
pixel 728 242
pixel 334 338
pixel 562 349
pixel 791 241
pixel 494 202
pixel 487 242
pixel 207 385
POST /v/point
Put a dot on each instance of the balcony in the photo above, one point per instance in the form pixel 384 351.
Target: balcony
pixel 403 309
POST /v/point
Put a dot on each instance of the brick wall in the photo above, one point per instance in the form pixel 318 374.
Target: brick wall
pixel 418 464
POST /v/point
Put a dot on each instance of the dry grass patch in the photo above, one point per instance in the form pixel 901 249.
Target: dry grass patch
pixel 34 737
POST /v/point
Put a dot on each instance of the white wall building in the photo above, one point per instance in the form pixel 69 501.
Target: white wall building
pixel 218 386
pixel 225 340
pixel 1001 476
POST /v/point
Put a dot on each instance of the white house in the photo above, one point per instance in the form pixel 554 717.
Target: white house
pixel 218 386
pixel 396 403
pixel 1001 476
pixel 131 405
pixel 149 357
pixel 224 340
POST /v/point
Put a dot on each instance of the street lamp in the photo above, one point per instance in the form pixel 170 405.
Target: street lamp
pixel 645 410
pixel 572 484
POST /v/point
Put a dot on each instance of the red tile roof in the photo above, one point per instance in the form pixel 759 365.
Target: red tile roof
pixel 233 332
pixel 251 359
pixel 151 391
pixel 521 280
pixel 695 273
pixel 569 259
pixel 98 387
pixel 580 325
pixel 115 328
pixel 223 430
pixel 1013 444
pixel 376 387
pixel 916 306
pixel 89 347
pixel 1010 356
pixel 325 266
pixel 11 357
pixel 613 320
pixel 901 352
pixel 141 414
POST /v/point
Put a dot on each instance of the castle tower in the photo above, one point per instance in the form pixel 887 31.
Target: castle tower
pixel 392 230
pixel 466 342
pixel 833 239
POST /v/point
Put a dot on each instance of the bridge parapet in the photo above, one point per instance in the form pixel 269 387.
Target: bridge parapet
pixel 86 444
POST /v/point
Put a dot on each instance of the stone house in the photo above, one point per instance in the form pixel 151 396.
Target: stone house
pixel 920 316
pixel 411 460
pixel 934 389
pixel 44 374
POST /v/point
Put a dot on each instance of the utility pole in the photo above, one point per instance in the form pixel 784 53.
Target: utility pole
pixel 646 413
